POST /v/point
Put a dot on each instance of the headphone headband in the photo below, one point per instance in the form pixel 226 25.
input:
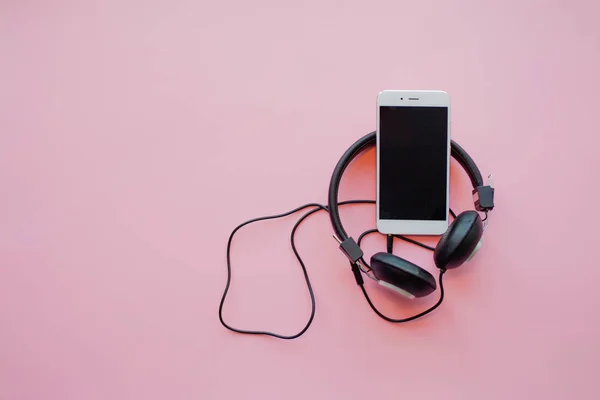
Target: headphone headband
pixel 483 195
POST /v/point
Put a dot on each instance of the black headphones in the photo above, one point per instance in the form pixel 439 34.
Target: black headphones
pixel 458 244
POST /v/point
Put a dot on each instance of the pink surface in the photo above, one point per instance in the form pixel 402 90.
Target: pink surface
pixel 136 135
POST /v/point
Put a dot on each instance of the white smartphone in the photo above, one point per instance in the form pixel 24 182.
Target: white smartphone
pixel 413 162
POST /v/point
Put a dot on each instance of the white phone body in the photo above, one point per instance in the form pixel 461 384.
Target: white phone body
pixel 404 212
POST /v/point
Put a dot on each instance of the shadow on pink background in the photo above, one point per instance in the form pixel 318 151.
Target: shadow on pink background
pixel 136 135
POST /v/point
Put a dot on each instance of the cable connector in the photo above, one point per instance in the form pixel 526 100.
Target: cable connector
pixel 483 197
pixel 350 249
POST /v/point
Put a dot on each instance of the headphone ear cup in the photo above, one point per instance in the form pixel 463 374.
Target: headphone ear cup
pixel 402 276
pixel 461 240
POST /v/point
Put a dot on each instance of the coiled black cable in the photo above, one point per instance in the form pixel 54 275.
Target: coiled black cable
pixel 315 208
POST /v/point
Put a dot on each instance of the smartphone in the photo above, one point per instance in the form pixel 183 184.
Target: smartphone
pixel 413 162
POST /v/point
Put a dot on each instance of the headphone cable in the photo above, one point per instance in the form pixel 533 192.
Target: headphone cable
pixel 430 309
pixel 315 208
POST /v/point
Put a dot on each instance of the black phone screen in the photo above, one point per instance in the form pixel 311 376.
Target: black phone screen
pixel 413 163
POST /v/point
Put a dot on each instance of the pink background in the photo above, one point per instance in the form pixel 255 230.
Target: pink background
pixel 136 135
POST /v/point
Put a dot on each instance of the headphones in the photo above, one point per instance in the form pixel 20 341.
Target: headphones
pixel 458 244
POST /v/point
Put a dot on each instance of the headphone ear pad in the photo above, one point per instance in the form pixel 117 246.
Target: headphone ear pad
pixel 402 276
pixel 460 241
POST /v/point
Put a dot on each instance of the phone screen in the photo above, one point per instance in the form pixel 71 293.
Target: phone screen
pixel 413 163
